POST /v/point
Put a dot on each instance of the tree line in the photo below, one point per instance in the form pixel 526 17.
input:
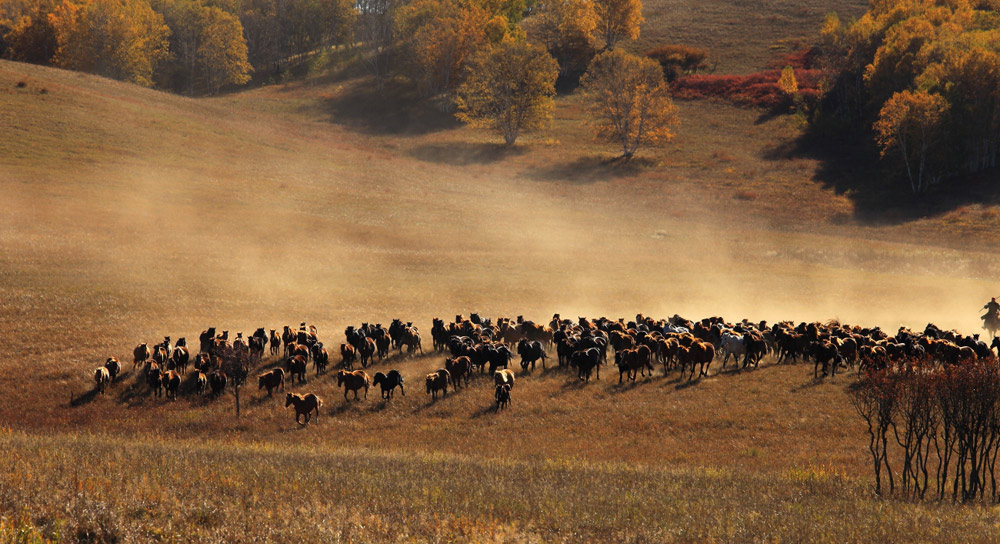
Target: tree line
pixel 497 63
pixel 921 80
pixel 492 63
pixel 190 46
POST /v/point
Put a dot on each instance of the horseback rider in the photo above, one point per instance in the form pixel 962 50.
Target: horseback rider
pixel 992 311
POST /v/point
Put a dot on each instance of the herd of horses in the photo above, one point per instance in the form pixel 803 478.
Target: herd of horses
pixel 474 344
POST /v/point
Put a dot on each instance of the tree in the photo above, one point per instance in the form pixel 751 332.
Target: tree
pixel 443 35
pixel 509 88
pixel 631 103
pixel 787 82
pixel 278 30
pixel 375 29
pixel 184 17
pixel 913 123
pixel 566 28
pixel 618 19
pixel 26 35
pixel 122 39
pixel 222 51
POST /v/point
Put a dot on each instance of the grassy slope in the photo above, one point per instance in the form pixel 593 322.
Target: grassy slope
pixel 131 214
pixel 741 35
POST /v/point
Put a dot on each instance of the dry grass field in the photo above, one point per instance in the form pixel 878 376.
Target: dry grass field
pixel 130 214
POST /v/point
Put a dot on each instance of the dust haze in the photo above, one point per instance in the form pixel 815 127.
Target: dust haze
pixel 305 238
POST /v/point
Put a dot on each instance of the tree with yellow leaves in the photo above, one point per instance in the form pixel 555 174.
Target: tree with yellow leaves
pixel 913 123
pixel 222 51
pixel 442 36
pixel 509 88
pixel 631 103
pixel 26 35
pixel 618 19
pixel 567 29
pixel 123 39
pixel 787 82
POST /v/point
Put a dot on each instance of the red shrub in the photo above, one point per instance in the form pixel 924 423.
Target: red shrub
pixel 758 89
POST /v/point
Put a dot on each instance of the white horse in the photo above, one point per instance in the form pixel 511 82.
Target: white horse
pixel 732 344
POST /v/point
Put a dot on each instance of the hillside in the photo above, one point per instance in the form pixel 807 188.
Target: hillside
pixel 741 35
pixel 132 214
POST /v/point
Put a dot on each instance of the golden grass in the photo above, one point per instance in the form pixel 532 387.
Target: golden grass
pixel 741 35
pixel 178 490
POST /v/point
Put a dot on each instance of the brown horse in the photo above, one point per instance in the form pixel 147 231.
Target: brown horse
pixel 203 362
pixel 438 381
pixel 272 380
pixel 296 367
pixel 347 356
pixel 353 381
pixel 171 383
pixel 459 368
pixel 140 354
pixel 201 383
pixel 275 342
pixel 304 405
pixel 153 379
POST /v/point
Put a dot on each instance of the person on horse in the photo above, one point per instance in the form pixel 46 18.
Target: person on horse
pixel 992 311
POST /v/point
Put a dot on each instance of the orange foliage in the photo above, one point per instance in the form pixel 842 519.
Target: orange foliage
pixel 618 19
pixel 444 34
pixel 632 105
pixel 123 39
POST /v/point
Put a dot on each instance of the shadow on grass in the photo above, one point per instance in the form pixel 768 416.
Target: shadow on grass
pixel 685 383
pixel 576 383
pixel 591 169
pixel 877 188
pixel 255 400
pixel 487 410
pixel 341 406
pixel 85 398
pixel 813 382
pixel 397 110
pixel 466 153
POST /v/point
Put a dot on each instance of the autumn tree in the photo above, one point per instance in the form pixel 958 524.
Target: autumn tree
pixel 509 89
pixel 122 39
pixel 617 20
pixel 968 77
pixel 375 29
pixel 631 104
pixel 222 51
pixel 787 82
pixel 913 123
pixel 184 18
pixel 276 31
pixel 567 29
pixel 441 36
pixel 26 34
pixel 907 69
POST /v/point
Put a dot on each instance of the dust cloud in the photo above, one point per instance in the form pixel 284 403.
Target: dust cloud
pixel 195 249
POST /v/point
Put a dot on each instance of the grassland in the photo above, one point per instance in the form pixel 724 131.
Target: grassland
pixel 130 214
